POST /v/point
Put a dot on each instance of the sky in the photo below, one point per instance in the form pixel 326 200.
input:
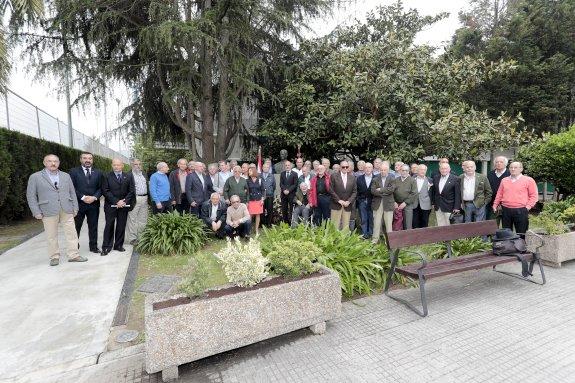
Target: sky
pixel 91 120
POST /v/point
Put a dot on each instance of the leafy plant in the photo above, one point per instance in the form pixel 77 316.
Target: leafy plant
pixel 196 282
pixel 556 208
pixel 172 234
pixel 294 258
pixel 243 264
pixel 459 247
pixel 547 223
pixel 568 215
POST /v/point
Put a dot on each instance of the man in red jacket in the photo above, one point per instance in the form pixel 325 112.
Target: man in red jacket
pixel 517 194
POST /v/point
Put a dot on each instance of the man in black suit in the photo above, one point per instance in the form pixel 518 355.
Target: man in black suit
pixel 199 187
pixel 364 200
pixel 88 185
pixel 446 194
pixel 213 214
pixel 495 176
pixel 119 189
pixel 288 187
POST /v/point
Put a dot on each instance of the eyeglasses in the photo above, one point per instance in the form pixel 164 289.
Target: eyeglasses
pixel 345 167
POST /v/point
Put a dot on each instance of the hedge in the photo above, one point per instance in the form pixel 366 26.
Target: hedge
pixel 22 155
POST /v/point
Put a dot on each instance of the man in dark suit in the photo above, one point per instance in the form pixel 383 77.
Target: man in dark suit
pixel 495 176
pixel 364 199
pixel 343 192
pixel 198 188
pixel 178 179
pixel 213 213
pixel 288 187
pixel 446 194
pixel 88 185
pixel 119 189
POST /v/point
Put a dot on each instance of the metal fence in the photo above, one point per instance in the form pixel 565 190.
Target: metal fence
pixel 20 115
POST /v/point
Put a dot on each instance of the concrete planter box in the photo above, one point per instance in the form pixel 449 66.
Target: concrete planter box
pixel 557 248
pixel 192 330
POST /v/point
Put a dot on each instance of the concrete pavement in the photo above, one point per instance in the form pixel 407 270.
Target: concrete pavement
pixel 55 319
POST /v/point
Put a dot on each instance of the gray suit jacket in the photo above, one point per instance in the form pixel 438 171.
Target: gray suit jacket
pixel 424 198
pixel 44 198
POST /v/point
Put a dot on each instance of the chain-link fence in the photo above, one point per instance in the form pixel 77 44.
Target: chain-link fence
pixel 18 114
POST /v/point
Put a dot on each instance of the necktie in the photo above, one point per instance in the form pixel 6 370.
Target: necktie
pixel 119 176
pixel 88 174
pixel 288 173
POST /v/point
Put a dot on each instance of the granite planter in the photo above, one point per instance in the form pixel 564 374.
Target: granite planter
pixel 180 330
pixel 556 250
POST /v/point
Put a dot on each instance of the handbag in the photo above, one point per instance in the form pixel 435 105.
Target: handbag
pixel 507 243
pixel 456 217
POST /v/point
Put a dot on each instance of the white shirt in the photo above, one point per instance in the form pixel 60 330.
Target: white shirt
pixel 201 177
pixel 298 172
pixel 368 179
pixel 442 182
pixel 214 213
pixel 344 178
pixel 468 188
pixel 514 179
pixel 419 181
pixel 498 174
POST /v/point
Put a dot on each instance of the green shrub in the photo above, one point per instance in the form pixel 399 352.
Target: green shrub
pixel 547 223
pixel 196 281
pixel 556 208
pixel 172 234
pixel 568 215
pixel 22 155
pixel 361 266
pixel 459 247
pixel 243 264
pixel 293 258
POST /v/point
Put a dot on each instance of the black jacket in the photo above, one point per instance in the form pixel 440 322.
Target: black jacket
pixel 288 184
pixel 85 186
pixel 114 190
pixel 363 190
pixel 206 212
pixel 494 182
pixel 450 197
pixel 196 191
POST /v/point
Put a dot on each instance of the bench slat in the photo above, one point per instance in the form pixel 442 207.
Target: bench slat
pixel 428 235
pixel 449 266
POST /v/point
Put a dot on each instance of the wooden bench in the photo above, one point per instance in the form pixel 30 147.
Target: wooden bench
pixel 398 240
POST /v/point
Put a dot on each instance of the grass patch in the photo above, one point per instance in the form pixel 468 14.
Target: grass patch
pixel 15 233
pixel 149 266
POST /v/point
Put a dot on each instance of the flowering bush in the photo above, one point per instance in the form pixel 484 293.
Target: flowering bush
pixel 243 263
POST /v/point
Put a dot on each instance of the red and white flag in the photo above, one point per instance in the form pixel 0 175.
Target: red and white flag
pixel 259 159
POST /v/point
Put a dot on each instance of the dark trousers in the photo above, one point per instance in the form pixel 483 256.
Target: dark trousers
pixel 366 215
pixel 243 229
pixel 493 215
pixel 268 210
pixel 115 227
pixel 517 218
pixel 196 209
pixel 420 217
pixel 322 210
pixel 287 207
pixel 221 233
pixel 166 207
pixel 184 205
pixel 91 212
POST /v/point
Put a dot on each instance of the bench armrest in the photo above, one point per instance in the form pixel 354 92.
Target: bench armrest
pixel 539 237
pixel 420 255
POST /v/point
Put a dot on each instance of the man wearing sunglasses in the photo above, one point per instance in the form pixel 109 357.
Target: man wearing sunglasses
pixel 343 193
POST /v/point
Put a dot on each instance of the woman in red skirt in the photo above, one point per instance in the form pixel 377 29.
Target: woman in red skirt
pixel 256 196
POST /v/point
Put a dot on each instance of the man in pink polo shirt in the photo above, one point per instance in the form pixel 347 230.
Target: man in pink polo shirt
pixel 517 194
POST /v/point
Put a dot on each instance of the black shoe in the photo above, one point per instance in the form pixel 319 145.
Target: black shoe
pixel 104 252
pixel 133 242
pixel 78 246
pixel 120 249
pixel 95 250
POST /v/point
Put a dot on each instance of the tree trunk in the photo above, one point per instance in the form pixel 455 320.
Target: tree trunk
pixel 223 92
pixel 206 100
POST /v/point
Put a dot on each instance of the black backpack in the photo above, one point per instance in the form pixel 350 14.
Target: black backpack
pixel 507 243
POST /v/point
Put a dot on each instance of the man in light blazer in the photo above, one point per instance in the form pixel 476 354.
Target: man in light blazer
pixel 423 204
pixel 52 198
pixel 343 193
pixel 475 193
pixel 446 194
pixel 383 202
pixel 198 188
pixel 88 185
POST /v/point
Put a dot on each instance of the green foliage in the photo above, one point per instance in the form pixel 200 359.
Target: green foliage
pixel 547 223
pixel 568 215
pixel 556 208
pixel 293 258
pixel 172 234
pixel 361 265
pixel 550 158
pixel 368 89
pixel 145 151
pixel 22 155
pixel 243 264
pixel 459 247
pixel 197 278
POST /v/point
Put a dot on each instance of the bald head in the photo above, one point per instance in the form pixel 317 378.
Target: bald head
pixel 117 165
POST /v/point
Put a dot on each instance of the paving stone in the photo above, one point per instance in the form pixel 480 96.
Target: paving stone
pixel 158 284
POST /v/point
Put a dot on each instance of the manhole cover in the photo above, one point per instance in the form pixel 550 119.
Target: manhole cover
pixel 127 336
pixel 158 284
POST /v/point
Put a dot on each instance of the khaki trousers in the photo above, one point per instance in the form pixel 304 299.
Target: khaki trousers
pixel 137 218
pixel 340 218
pixel 69 227
pixel 378 216
pixel 442 218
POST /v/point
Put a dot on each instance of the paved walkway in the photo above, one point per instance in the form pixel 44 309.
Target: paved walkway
pixel 482 327
pixel 54 319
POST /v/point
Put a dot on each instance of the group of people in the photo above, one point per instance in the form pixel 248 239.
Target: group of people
pixel 232 199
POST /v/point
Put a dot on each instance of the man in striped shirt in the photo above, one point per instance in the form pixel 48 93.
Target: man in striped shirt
pixel 517 194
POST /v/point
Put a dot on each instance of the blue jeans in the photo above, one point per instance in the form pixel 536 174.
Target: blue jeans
pixel 366 215
pixel 472 212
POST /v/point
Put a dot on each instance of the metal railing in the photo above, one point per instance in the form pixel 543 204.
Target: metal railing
pixel 18 114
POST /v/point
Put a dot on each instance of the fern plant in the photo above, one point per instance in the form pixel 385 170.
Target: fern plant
pixel 172 234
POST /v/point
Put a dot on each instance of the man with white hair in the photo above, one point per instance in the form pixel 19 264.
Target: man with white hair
pixel 517 194
pixel 446 194
pixel 364 199
pixel 160 192
pixel 383 203
pixel 138 214
pixel 198 188
pixel 405 195
pixel 423 209
pixel 302 205
pixel 213 213
pixel 377 166
pixel 178 186
pixel 475 193
pixel 495 176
